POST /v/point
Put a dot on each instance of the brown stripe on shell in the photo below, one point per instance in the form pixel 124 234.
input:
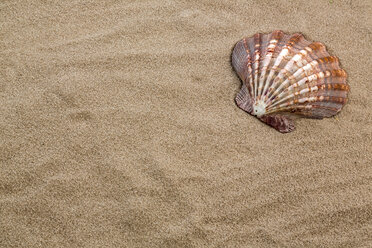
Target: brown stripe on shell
pixel 257 43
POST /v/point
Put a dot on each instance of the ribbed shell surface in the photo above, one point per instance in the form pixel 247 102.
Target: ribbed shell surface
pixel 286 73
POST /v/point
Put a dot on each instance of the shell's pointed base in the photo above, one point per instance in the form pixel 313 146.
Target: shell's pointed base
pixel 280 122
pixel 259 108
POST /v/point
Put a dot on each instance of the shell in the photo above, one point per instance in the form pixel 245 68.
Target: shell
pixel 283 73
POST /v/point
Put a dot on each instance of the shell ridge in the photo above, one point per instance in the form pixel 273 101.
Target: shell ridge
pixel 257 42
pixel 274 42
pixel 248 82
pixel 305 107
pixel 264 60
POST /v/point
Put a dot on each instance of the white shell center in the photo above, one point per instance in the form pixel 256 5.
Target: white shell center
pixel 259 108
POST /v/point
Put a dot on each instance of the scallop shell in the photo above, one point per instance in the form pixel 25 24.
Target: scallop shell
pixel 285 73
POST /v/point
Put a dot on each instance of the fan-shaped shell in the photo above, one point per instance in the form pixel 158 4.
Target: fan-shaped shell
pixel 286 73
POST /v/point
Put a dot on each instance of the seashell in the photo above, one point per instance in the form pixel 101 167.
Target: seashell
pixel 285 74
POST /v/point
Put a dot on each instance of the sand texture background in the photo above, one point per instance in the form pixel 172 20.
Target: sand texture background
pixel 118 128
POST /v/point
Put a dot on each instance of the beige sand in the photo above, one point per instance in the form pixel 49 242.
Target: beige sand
pixel 118 128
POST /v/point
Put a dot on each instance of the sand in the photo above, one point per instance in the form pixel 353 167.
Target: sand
pixel 118 128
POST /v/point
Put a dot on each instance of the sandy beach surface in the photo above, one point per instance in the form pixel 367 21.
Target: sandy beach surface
pixel 118 128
